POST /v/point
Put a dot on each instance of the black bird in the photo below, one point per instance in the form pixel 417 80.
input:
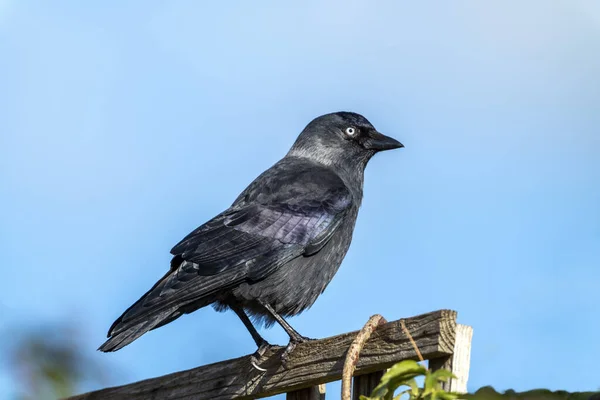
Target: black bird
pixel 275 250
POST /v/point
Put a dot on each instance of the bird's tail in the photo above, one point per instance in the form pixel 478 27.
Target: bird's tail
pixel 179 292
pixel 130 334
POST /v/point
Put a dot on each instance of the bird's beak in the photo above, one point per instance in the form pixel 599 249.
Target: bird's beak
pixel 380 142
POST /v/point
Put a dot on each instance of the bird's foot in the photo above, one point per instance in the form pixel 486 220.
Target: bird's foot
pixel 286 353
pixel 255 358
pixel 290 347
pixel 298 338
pixel 304 339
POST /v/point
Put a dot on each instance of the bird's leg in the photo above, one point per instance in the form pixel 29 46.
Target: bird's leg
pixel 262 344
pixel 295 337
pixel 292 333
pixel 248 324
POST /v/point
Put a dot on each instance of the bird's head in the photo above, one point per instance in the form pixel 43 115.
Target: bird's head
pixel 343 139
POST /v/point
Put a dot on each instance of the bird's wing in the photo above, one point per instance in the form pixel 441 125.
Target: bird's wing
pixel 290 213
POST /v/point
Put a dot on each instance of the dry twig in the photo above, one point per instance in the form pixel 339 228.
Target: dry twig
pixel 354 351
pixel 412 341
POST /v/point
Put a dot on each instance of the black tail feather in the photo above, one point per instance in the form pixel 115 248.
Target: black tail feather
pixel 130 334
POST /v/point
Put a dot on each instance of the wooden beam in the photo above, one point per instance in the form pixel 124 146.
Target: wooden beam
pixel 459 362
pixel 310 364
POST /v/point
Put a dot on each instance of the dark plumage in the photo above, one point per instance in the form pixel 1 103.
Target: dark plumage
pixel 274 251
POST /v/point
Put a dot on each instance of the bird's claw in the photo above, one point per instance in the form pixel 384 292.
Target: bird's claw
pixel 254 363
pixel 299 338
pixel 255 358
pixel 290 347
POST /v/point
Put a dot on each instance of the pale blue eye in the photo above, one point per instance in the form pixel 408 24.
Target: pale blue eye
pixel 350 131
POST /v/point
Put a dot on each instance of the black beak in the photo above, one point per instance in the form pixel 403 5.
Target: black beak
pixel 379 142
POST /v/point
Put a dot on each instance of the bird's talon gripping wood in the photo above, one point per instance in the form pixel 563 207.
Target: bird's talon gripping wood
pixel 254 362
pixel 286 353
pixel 275 250
pixel 258 354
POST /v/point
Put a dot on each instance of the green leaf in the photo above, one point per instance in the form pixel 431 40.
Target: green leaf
pixel 400 374
pixel 442 375
pixel 447 396
pixel 407 391
pixel 433 379
pixel 428 391
pixel 414 388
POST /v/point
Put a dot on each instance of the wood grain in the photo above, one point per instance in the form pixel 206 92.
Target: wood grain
pixel 311 393
pixel 364 384
pixel 459 362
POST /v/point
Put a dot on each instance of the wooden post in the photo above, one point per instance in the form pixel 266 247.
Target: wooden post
pixel 459 362
pixel 311 393
pixel 364 384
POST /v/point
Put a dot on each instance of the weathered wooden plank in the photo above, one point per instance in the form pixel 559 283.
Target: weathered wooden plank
pixel 311 393
pixel 364 384
pixel 310 364
pixel 459 362
pixel 461 359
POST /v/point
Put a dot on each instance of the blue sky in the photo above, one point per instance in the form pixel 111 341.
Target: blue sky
pixel 123 126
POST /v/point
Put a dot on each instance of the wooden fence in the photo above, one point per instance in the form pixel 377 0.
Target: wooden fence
pixel 436 336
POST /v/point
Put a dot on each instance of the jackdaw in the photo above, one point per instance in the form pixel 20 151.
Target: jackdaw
pixel 275 250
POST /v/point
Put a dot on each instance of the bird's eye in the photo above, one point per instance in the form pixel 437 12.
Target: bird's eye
pixel 350 131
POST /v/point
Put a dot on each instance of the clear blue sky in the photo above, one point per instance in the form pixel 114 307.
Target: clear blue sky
pixel 124 125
